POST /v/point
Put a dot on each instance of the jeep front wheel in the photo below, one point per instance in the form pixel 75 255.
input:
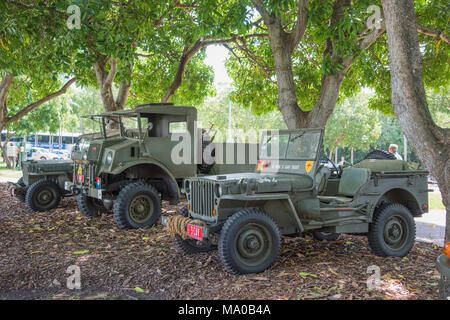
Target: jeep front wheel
pixel 190 246
pixel 249 242
pixel 89 206
pixel 138 205
pixel 43 195
pixel 392 231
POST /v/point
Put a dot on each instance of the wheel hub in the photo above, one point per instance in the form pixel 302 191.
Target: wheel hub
pixel 253 244
pixel 141 208
pixel 395 233
pixel 44 197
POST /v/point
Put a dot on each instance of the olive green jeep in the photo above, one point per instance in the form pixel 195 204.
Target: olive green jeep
pixel 291 193
pixel 42 185
pixel 129 173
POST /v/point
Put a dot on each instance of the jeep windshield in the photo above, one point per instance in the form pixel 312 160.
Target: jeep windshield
pixel 282 145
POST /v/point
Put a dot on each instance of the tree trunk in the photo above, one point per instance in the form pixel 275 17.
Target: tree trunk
pixel 105 81
pixel 429 142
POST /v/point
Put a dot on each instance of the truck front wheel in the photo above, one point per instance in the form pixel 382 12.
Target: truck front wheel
pixel 249 242
pixel 138 205
pixel 43 195
pixel 392 231
pixel 90 207
pixel 190 246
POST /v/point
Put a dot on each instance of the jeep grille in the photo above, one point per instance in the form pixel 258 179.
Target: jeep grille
pixel 202 199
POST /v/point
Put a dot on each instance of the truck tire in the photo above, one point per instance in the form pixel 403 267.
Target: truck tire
pixel 249 242
pixel 90 207
pixel 190 246
pixel 380 154
pixel 43 195
pixel 21 197
pixel 138 205
pixel 392 231
pixel 318 235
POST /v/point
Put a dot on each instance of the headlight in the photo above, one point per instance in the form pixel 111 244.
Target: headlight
pixel 85 156
pixel 187 186
pixel 218 190
pixel 109 157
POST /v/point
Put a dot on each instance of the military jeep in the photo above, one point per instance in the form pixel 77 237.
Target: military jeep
pixel 42 184
pixel 291 194
pixel 131 172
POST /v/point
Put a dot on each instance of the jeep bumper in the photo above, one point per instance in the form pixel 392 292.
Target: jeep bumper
pixel 201 233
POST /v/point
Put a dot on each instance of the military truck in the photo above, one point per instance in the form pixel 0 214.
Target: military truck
pixel 132 172
pixel 245 215
pixel 42 184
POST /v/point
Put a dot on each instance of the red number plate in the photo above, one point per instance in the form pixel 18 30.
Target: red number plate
pixel 195 232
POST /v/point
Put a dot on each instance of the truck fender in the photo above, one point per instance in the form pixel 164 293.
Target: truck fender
pixel 131 164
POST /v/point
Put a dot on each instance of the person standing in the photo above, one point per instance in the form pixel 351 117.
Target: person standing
pixel 393 148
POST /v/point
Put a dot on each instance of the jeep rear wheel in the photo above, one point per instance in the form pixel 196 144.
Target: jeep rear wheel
pixel 138 205
pixel 89 206
pixel 392 231
pixel 190 246
pixel 43 195
pixel 249 242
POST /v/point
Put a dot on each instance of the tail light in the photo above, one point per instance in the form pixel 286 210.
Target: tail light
pixel 446 250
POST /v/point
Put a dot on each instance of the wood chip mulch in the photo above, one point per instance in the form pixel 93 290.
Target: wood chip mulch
pixel 36 250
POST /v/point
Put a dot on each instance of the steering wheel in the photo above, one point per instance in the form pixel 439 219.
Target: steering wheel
pixel 336 173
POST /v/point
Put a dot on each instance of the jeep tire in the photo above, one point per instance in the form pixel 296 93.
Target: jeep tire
pixel 249 242
pixel 138 205
pixel 392 231
pixel 43 195
pixel 190 246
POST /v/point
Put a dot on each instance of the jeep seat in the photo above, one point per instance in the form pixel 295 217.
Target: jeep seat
pixel 351 182
pixel 321 177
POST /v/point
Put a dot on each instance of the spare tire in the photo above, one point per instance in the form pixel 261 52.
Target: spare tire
pixel 380 154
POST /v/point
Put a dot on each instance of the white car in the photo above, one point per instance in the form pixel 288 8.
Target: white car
pixel 63 155
pixel 41 154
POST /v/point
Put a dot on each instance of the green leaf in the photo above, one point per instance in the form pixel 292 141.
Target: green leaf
pixel 138 289
pixel 81 252
pixel 306 274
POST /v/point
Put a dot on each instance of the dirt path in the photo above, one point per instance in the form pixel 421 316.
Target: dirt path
pixel 36 250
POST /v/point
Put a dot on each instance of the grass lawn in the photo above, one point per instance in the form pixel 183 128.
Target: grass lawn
pixel 8 173
pixel 435 201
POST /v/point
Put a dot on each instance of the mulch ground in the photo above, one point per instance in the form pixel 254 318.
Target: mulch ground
pixel 36 250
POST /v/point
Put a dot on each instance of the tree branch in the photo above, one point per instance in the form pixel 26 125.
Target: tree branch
pixel 433 33
pixel 38 103
pixel 300 27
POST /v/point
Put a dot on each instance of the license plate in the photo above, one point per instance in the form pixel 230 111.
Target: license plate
pixel 195 232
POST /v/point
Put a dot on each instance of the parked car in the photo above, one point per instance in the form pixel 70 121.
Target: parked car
pixel 63 155
pixel 42 154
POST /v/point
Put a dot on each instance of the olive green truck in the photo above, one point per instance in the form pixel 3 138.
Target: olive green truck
pixel 244 215
pixel 155 147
